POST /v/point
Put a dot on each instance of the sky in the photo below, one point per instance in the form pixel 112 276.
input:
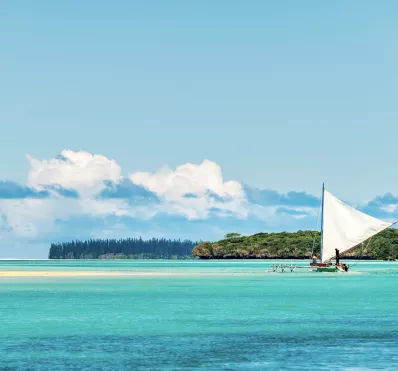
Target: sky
pixel 192 119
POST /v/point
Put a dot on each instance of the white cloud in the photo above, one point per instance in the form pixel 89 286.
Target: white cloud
pixel 80 170
pixel 194 190
pixel 188 178
pixel 190 190
pixel 31 218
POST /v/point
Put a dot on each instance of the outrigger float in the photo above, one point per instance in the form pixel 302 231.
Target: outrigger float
pixel 343 228
pixel 314 267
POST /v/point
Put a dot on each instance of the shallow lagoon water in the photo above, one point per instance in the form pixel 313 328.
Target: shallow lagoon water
pixel 202 315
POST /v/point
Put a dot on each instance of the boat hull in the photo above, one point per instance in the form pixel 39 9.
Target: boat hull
pixel 327 269
pixel 323 267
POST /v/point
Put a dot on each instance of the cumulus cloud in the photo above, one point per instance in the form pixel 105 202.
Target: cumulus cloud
pixel 83 195
pixel 77 185
pixel 58 189
pixel 188 179
pixel 81 171
pixel 193 190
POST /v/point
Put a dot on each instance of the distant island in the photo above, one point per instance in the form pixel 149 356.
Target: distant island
pixel 292 245
pixel 282 245
pixel 127 248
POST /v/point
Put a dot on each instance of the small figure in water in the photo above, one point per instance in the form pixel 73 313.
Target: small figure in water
pixel 314 259
pixel 337 256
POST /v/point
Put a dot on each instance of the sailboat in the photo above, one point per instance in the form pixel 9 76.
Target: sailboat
pixel 343 228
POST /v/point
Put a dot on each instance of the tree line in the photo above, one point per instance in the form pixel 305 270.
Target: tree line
pixel 128 248
pixel 292 245
pixel 289 245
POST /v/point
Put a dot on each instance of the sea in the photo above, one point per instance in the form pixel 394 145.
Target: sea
pixel 198 315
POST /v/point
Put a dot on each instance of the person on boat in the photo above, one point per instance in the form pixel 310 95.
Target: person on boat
pixel 337 256
pixel 314 259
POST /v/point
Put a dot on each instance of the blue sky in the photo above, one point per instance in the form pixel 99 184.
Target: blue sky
pixel 280 95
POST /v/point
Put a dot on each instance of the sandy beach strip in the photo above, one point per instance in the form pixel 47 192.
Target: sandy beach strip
pixel 79 274
pixel 119 274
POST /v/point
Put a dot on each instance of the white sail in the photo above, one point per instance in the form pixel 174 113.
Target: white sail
pixel 345 227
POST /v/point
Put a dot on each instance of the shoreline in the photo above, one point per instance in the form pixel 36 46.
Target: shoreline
pixel 10 274
pixel 283 258
pixel 82 274
pixel 149 260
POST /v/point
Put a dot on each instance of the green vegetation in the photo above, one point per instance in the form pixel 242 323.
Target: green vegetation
pixel 283 245
pixel 297 245
pixel 128 248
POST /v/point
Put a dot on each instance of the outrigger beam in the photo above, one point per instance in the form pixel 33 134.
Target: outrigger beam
pixel 291 267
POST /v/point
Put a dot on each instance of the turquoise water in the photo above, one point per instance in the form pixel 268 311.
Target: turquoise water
pixel 215 315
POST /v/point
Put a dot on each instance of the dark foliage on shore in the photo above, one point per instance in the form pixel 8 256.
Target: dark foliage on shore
pixel 296 245
pixel 129 248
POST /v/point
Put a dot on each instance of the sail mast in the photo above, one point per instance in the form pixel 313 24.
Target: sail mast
pixel 323 197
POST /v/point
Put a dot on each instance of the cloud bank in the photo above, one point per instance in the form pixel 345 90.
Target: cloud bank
pixel 84 195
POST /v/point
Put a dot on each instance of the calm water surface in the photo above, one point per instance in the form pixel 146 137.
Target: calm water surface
pixel 242 318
